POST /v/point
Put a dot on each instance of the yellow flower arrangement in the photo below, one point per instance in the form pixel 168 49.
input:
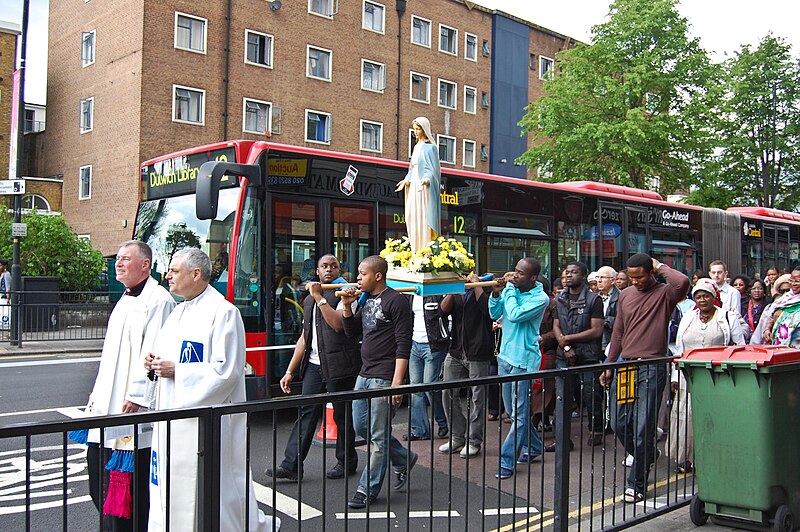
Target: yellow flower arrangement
pixel 440 255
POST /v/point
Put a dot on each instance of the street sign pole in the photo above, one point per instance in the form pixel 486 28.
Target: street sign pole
pixel 16 269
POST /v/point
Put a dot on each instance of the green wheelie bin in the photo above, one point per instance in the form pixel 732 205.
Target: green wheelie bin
pixel 746 410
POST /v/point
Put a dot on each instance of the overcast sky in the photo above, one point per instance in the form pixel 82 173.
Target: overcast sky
pixel 722 25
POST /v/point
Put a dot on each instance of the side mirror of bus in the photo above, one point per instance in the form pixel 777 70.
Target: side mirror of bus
pixel 208 181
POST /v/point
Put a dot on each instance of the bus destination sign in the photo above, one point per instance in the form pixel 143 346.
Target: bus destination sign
pixel 178 175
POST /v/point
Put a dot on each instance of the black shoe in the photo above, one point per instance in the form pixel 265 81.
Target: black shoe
pixel 337 471
pixel 551 447
pixel 442 432
pixel 401 477
pixel 414 437
pixel 359 500
pixel 282 472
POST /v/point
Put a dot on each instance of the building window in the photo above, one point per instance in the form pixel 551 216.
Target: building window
pixel 87 47
pixel 484 153
pixel 421 31
pixel 469 153
pixel 373 76
pixel 447 149
pixel 257 116
pixel 484 99
pixel 471 47
pixel 470 99
pixel 545 67
pixel 412 141
pixel 190 33
pixel 485 48
pixel 371 136
pixel 319 63
pixel 420 88
pixel 188 105
pixel 35 201
pixel 85 185
pixel 318 127
pixel 532 61
pixel 447 94
pixel 374 16
pixel 323 8
pixel 448 39
pixel 87 115
pixel 258 48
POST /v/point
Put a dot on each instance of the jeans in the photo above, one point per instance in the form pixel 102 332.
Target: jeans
pixel 592 396
pixel 465 412
pixel 425 366
pixel 303 430
pixel 634 423
pixel 372 420
pixel 517 401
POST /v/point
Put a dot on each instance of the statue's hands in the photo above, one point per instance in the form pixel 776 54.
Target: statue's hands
pixel 425 182
pixel 401 185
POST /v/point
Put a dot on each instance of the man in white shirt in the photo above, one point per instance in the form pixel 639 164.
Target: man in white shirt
pixel 730 298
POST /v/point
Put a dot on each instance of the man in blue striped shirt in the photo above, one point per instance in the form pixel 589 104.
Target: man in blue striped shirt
pixel 520 301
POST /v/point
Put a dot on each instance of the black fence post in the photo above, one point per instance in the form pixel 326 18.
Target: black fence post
pixel 208 474
pixel 561 431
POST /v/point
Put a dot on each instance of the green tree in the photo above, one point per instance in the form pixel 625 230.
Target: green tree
pixel 631 108
pixel 759 131
pixel 179 236
pixel 53 249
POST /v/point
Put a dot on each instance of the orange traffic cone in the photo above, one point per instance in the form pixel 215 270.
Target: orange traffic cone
pixel 328 431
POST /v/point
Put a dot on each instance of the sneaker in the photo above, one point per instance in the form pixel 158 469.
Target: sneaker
pixel 450 447
pixel 414 437
pixel 359 500
pixel 660 434
pixel 551 447
pixel 628 462
pixel 631 496
pixel 469 450
pixel 526 458
pixel 281 472
pixel 337 471
pixel 504 473
pixel 401 477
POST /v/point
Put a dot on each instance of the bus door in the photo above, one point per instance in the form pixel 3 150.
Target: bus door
pixel 776 246
pixel 636 231
pixel 511 237
pixel 606 241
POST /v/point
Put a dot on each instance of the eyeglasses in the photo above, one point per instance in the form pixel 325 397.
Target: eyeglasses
pixel 783 290
pixel 794 281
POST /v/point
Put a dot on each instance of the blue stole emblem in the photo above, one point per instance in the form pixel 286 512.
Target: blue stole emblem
pixel 191 352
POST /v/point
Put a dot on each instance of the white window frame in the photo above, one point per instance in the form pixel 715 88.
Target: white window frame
pixel 80 182
pixel 202 92
pixel 439 91
pixel 205 33
pixel 364 16
pixel 362 123
pixel 271 51
pixel 430 25
pixel 334 4
pixel 455 40
pixel 93 33
pixel 382 83
pixel 329 128
pixel 245 101
pixel 542 60
pixel 411 87
pixel 474 91
pixel 466 47
pixel 309 47
pixel 464 161
pixel 90 127
pixel 439 142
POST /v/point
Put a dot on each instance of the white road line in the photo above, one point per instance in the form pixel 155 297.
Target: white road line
pixel 40 411
pixel 26 363
pixel 365 515
pixel 509 511
pixel 58 482
pixel 71 412
pixel 284 503
pixel 43 505
pixel 70 446
pixel 34 495
pixel 434 513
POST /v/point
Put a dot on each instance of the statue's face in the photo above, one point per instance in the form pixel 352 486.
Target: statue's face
pixel 419 133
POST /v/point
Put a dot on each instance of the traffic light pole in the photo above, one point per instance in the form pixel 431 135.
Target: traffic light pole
pixel 16 269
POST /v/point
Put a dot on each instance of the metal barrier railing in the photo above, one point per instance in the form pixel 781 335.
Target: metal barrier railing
pixel 577 489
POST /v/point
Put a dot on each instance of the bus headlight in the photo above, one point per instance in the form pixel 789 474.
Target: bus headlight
pixel 248 370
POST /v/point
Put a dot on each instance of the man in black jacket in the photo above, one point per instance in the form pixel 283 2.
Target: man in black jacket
pixel 578 326
pixel 328 361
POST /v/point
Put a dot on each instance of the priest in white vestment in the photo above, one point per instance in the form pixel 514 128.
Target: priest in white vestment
pixel 121 383
pixel 199 359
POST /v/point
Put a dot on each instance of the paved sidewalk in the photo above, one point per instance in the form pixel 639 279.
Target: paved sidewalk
pixel 677 521
pixel 49 347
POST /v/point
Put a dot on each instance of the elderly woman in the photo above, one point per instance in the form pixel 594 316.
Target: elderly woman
pixel 706 325
pixel 421 188
pixel 783 327
pixel 763 332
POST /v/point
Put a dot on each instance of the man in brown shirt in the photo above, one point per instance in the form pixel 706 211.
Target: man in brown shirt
pixel 640 332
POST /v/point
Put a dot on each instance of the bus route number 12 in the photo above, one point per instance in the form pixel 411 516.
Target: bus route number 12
pixel 458 225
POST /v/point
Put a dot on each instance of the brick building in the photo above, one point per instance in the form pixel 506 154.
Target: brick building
pixel 8 63
pixel 136 79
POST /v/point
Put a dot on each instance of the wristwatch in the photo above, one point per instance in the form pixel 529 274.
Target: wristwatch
pixel 567 348
pixel 322 301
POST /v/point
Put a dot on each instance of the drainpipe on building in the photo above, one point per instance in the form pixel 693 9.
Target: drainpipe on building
pixel 401 8
pixel 226 81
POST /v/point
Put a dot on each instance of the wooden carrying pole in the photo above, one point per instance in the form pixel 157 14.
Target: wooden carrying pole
pixel 408 289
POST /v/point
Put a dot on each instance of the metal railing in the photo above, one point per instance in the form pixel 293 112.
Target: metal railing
pixel 566 489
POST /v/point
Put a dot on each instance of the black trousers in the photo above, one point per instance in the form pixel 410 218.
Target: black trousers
pixel 97 491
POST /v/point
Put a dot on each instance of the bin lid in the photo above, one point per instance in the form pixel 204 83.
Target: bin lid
pixel 760 355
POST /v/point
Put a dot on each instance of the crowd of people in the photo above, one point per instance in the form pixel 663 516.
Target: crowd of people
pixel 161 355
